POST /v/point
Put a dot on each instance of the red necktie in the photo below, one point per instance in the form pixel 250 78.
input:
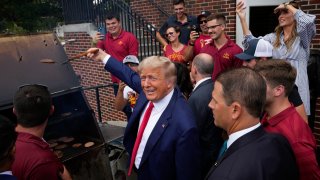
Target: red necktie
pixel 139 136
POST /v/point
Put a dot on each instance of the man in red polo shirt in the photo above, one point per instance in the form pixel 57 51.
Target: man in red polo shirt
pixel 34 160
pixel 222 48
pixel 116 42
pixel 281 116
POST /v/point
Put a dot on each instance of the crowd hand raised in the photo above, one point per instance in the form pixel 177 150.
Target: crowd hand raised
pixel 93 54
pixel 240 10
pixel 122 85
pixel 280 7
pixel 193 36
pixel 98 37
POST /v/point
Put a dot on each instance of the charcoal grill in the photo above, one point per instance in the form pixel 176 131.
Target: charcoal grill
pixel 73 117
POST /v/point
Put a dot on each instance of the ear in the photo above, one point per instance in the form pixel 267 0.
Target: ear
pixel 51 110
pixel 279 90
pixel 14 111
pixel 236 109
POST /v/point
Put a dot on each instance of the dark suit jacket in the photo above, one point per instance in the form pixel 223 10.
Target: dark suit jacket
pixel 257 155
pixel 210 135
pixel 7 177
pixel 172 150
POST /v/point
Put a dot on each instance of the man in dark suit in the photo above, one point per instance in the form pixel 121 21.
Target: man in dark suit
pixel 237 102
pixel 8 138
pixel 210 135
pixel 169 147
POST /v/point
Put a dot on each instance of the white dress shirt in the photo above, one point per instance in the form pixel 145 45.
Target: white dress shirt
pixel 199 82
pixel 6 173
pixel 157 111
pixel 234 136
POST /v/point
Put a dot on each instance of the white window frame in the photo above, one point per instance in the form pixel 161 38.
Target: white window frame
pixel 253 3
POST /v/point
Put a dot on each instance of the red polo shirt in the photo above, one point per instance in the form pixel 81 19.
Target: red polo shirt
pixel 173 55
pixel 125 44
pixel 224 57
pixel 34 159
pixel 290 124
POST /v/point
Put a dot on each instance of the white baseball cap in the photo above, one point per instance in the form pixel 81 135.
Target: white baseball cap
pixel 256 48
pixel 130 59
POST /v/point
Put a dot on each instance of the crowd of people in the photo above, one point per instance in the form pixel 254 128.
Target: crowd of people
pixel 206 109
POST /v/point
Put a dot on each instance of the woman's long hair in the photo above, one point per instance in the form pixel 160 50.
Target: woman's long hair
pixel 293 33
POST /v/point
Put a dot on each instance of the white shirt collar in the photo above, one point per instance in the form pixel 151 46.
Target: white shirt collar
pixel 234 136
pixel 199 82
pixel 7 173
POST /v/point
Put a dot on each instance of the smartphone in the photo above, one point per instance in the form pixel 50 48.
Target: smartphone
pixel 102 31
pixel 195 28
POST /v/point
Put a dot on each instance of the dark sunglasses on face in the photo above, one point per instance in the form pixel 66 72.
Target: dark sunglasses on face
pixel 170 33
pixel 204 21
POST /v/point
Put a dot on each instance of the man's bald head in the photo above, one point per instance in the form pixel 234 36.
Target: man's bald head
pixel 204 64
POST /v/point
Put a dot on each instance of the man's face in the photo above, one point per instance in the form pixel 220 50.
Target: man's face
pixel 179 10
pixel 203 25
pixel 113 26
pixel 221 111
pixel 154 83
pixel 215 29
pixel 133 66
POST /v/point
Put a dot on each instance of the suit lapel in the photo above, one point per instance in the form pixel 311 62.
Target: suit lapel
pixel 160 127
pixel 239 143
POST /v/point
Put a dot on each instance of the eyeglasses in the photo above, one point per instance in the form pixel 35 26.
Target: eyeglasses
pixel 204 21
pixel 213 27
pixel 170 33
pixel 36 85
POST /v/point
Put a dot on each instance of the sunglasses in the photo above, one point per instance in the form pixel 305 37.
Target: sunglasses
pixel 204 21
pixel 170 33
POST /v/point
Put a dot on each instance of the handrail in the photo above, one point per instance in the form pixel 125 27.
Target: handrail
pixel 159 8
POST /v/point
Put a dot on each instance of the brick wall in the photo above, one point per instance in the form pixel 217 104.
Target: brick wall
pixel 92 74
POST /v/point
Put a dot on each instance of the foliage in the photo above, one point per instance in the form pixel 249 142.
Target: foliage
pixel 28 16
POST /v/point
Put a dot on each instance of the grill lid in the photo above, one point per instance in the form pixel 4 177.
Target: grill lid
pixel 20 63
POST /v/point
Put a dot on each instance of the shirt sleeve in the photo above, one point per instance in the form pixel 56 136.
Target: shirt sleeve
pixel 306 160
pixel 306 27
pixel 133 45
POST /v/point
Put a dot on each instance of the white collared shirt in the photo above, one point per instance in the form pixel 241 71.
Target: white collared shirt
pixel 199 82
pixel 234 136
pixel 157 111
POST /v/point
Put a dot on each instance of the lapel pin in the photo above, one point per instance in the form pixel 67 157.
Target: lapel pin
pixel 163 125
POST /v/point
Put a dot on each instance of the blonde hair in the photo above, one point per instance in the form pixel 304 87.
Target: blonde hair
pixel 154 62
pixel 291 38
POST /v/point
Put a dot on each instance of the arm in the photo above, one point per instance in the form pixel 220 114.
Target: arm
pixel 188 52
pixel 188 156
pixel 162 41
pixel 121 71
pixel 120 102
pixel 240 10
pixel 306 27
pixel 97 41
